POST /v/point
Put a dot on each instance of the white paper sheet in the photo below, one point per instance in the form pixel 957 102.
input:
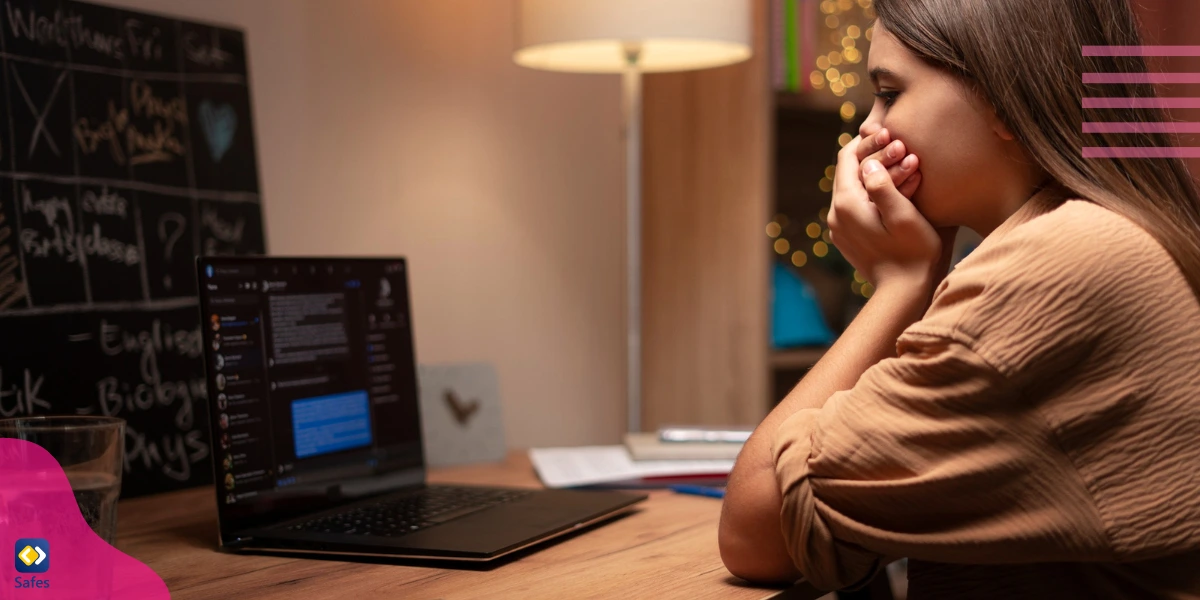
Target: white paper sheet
pixel 588 465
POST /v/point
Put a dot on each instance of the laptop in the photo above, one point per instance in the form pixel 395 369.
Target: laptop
pixel 316 428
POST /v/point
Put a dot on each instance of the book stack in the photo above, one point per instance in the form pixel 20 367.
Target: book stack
pixel 670 456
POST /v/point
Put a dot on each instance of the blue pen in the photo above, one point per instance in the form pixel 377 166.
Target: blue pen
pixel 699 490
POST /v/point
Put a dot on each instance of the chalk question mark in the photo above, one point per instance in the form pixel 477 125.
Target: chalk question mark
pixel 170 239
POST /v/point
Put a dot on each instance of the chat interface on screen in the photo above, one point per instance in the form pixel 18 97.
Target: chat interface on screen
pixel 311 373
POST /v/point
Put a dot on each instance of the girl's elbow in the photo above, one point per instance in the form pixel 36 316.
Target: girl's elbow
pixel 745 559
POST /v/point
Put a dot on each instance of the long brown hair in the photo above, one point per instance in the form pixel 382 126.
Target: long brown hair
pixel 1026 58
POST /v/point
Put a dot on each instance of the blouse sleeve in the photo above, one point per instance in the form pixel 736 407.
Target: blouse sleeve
pixel 939 453
pixel 931 455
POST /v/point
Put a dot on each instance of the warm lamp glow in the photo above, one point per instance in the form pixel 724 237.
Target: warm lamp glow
pixel 632 37
pixel 594 36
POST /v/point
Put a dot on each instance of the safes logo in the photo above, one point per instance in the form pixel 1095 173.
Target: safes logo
pixel 33 555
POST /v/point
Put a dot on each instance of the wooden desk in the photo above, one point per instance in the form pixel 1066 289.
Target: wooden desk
pixel 667 549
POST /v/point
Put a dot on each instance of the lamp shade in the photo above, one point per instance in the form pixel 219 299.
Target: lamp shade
pixel 593 36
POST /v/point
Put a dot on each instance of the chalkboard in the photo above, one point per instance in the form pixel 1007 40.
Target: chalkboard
pixel 126 149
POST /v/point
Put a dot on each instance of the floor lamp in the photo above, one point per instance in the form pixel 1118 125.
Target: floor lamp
pixel 632 37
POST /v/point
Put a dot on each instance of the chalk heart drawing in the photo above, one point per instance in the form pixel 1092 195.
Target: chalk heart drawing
pixel 220 123
pixel 462 410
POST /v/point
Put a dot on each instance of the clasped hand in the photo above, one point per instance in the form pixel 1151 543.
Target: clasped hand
pixel 873 221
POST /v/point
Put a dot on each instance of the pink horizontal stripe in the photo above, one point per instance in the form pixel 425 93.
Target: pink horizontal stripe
pixel 1141 50
pixel 1141 102
pixel 1147 127
pixel 1141 152
pixel 1141 77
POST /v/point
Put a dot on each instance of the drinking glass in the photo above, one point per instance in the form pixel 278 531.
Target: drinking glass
pixel 90 451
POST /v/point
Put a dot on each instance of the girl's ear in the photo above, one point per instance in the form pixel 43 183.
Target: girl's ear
pixel 998 126
pixel 988 111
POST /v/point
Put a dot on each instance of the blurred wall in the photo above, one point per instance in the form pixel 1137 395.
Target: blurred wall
pixel 403 127
pixel 707 195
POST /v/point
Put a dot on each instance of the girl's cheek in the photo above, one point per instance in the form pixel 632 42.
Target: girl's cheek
pixel 902 129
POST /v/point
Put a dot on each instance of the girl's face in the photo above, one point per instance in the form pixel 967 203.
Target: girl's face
pixel 972 169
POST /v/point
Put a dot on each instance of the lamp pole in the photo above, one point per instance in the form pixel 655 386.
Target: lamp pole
pixel 631 107
pixel 632 37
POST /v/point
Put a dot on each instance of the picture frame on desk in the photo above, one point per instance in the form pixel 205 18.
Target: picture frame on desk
pixel 461 415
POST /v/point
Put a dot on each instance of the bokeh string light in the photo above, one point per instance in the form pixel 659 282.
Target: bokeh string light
pixel 841 32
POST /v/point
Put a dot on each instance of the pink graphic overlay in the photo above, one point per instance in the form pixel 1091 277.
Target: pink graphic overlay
pixel 1141 50
pixel 1141 103
pixel 37 502
pixel 1141 77
pixel 1147 127
pixel 1141 152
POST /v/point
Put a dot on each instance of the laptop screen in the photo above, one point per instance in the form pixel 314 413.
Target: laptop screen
pixel 311 383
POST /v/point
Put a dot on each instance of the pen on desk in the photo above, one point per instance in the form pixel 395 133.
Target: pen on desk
pixel 699 490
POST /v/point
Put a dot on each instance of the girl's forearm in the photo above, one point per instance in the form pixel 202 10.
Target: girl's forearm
pixel 870 338
pixel 750 535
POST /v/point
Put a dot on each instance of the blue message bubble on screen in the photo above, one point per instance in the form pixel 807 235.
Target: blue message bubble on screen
pixel 327 424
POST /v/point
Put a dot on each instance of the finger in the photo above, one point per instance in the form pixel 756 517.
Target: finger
pixel 883 193
pixel 862 214
pixel 903 170
pixel 873 143
pixel 900 171
pixel 845 176
pixel 892 156
pixel 894 159
pixel 831 218
pixel 889 155
pixel 910 186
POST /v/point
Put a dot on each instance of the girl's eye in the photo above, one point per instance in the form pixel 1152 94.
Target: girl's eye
pixel 888 97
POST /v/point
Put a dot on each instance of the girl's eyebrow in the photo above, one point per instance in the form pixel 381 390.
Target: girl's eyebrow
pixel 878 72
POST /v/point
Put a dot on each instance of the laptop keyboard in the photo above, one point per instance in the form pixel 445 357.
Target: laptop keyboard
pixel 400 516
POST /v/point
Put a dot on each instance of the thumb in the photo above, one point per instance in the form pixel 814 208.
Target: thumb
pixel 882 191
